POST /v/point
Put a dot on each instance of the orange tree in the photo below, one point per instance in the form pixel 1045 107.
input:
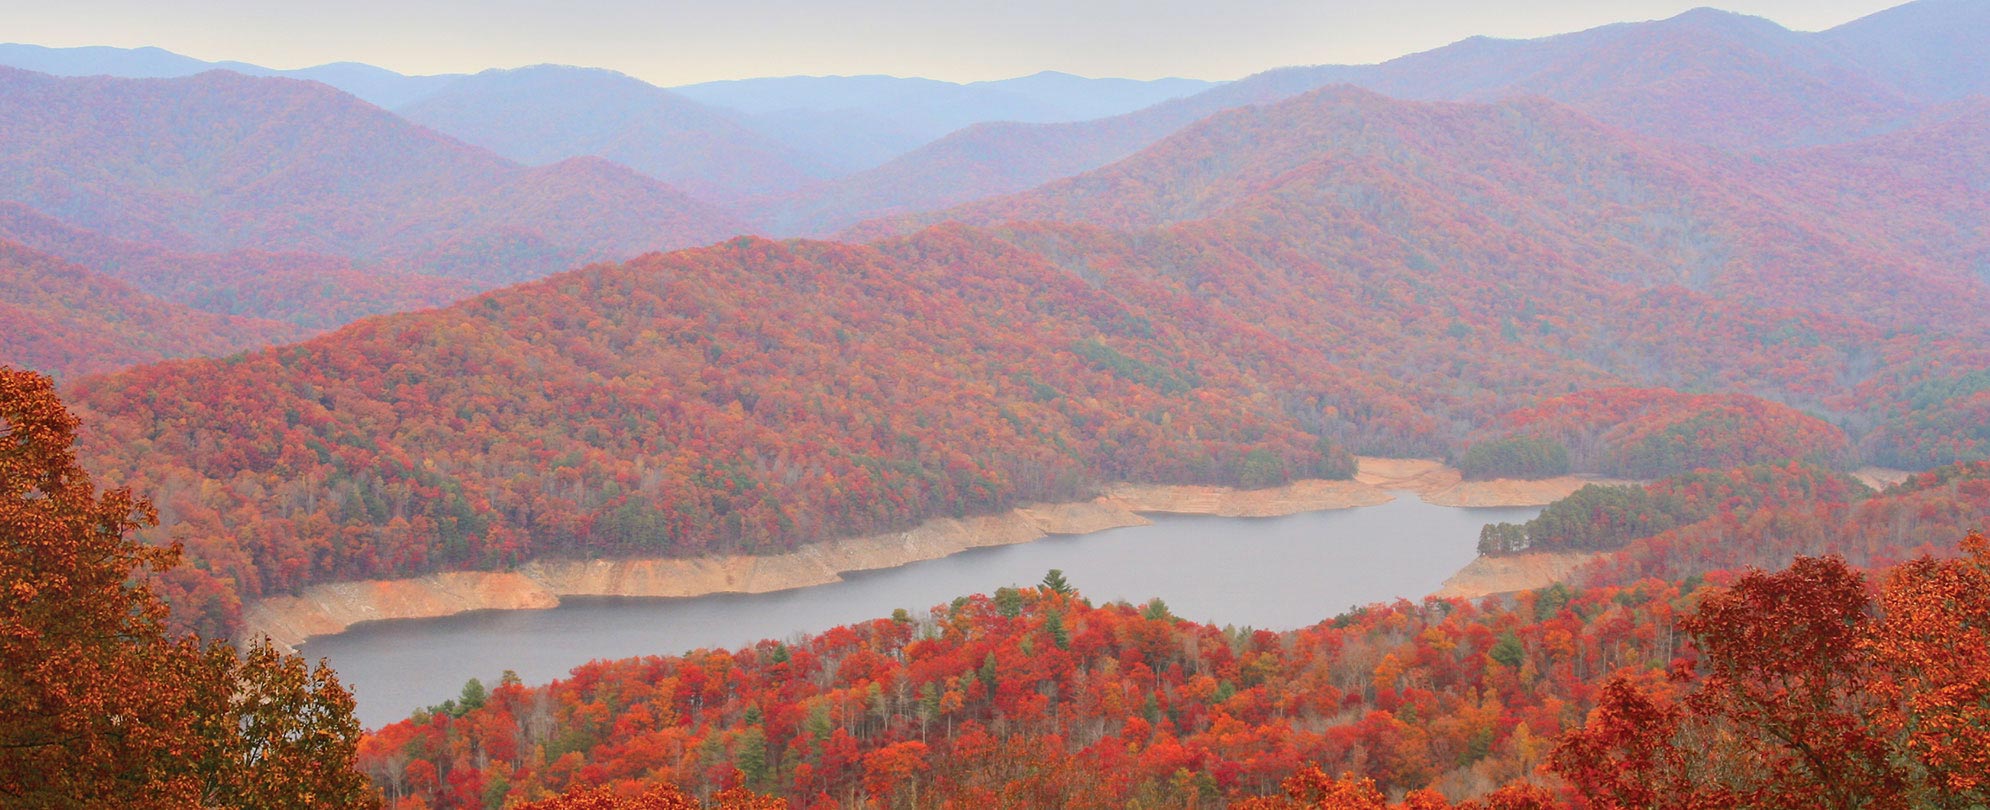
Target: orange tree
pixel 1809 693
pixel 99 706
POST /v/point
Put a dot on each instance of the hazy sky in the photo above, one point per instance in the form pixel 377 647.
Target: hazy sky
pixel 671 43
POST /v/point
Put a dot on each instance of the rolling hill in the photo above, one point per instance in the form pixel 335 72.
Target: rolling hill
pixel 1639 211
pixel 64 320
pixel 311 291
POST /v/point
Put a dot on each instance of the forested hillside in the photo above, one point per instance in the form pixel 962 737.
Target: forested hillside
pixel 743 398
pixel 67 320
pixel 312 291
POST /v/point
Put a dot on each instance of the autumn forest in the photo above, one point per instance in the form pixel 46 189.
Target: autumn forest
pixel 1711 293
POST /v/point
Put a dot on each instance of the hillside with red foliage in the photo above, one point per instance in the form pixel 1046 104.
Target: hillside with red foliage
pixel 311 291
pixel 745 398
pixel 1652 433
pixel 1546 179
pixel 65 320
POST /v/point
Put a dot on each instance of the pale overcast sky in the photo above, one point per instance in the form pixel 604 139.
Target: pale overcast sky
pixel 670 43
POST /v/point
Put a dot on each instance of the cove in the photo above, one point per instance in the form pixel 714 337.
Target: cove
pixel 1276 573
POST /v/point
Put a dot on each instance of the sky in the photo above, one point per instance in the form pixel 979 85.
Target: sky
pixel 672 43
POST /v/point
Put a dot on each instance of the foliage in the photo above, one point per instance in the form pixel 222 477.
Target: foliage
pixel 99 705
pixel 1807 693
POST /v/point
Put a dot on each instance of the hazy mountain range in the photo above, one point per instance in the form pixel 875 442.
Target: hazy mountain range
pixel 1237 286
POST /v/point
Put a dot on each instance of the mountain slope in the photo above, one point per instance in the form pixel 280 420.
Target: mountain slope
pixel 220 162
pixel 1000 158
pixel 1640 212
pixel 312 291
pixel 1705 76
pixel 64 320
pixel 742 398
pixel 1932 48
pixel 547 113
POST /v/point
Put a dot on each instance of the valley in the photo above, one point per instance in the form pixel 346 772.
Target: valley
pixel 1569 421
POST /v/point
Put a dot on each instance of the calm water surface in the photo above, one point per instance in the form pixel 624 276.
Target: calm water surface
pixel 1270 573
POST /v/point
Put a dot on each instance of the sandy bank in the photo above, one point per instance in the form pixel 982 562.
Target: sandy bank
pixel 1438 484
pixel 1517 572
pixel 1880 478
pixel 332 608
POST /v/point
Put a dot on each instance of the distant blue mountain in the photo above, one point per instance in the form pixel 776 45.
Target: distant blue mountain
pixel 856 122
pixel 547 113
pixel 1938 49
pixel 378 86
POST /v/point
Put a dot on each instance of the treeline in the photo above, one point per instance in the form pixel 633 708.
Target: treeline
pixel 1653 433
pixel 1034 697
pixel 1606 517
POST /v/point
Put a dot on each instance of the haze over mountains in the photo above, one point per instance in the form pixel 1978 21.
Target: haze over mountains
pixel 1239 285
pixel 341 325
pixel 1277 273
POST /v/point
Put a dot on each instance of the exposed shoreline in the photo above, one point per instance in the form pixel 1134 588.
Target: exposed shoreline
pixel 1510 573
pixel 334 607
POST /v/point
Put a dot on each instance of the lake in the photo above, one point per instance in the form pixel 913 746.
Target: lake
pixel 1270 573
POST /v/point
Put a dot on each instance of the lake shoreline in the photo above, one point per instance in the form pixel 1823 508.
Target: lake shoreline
pixel 332 608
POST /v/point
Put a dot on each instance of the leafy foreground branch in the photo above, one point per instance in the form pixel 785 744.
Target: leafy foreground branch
pixel 99 707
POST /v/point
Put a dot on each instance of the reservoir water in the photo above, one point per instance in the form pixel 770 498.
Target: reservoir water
pixel 1270 573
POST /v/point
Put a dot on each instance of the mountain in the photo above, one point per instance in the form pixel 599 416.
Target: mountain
pixel 852 123
pixel 312 291
pixel 378 86
pixel 64 320
pixel 545 114
pixel 1003 157
pixel 1931 48
pixel 938 106
pixel 220 162
pixel 1705 76
pixel 1639 211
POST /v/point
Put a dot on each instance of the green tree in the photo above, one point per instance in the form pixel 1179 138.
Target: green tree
pixel 1055 582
